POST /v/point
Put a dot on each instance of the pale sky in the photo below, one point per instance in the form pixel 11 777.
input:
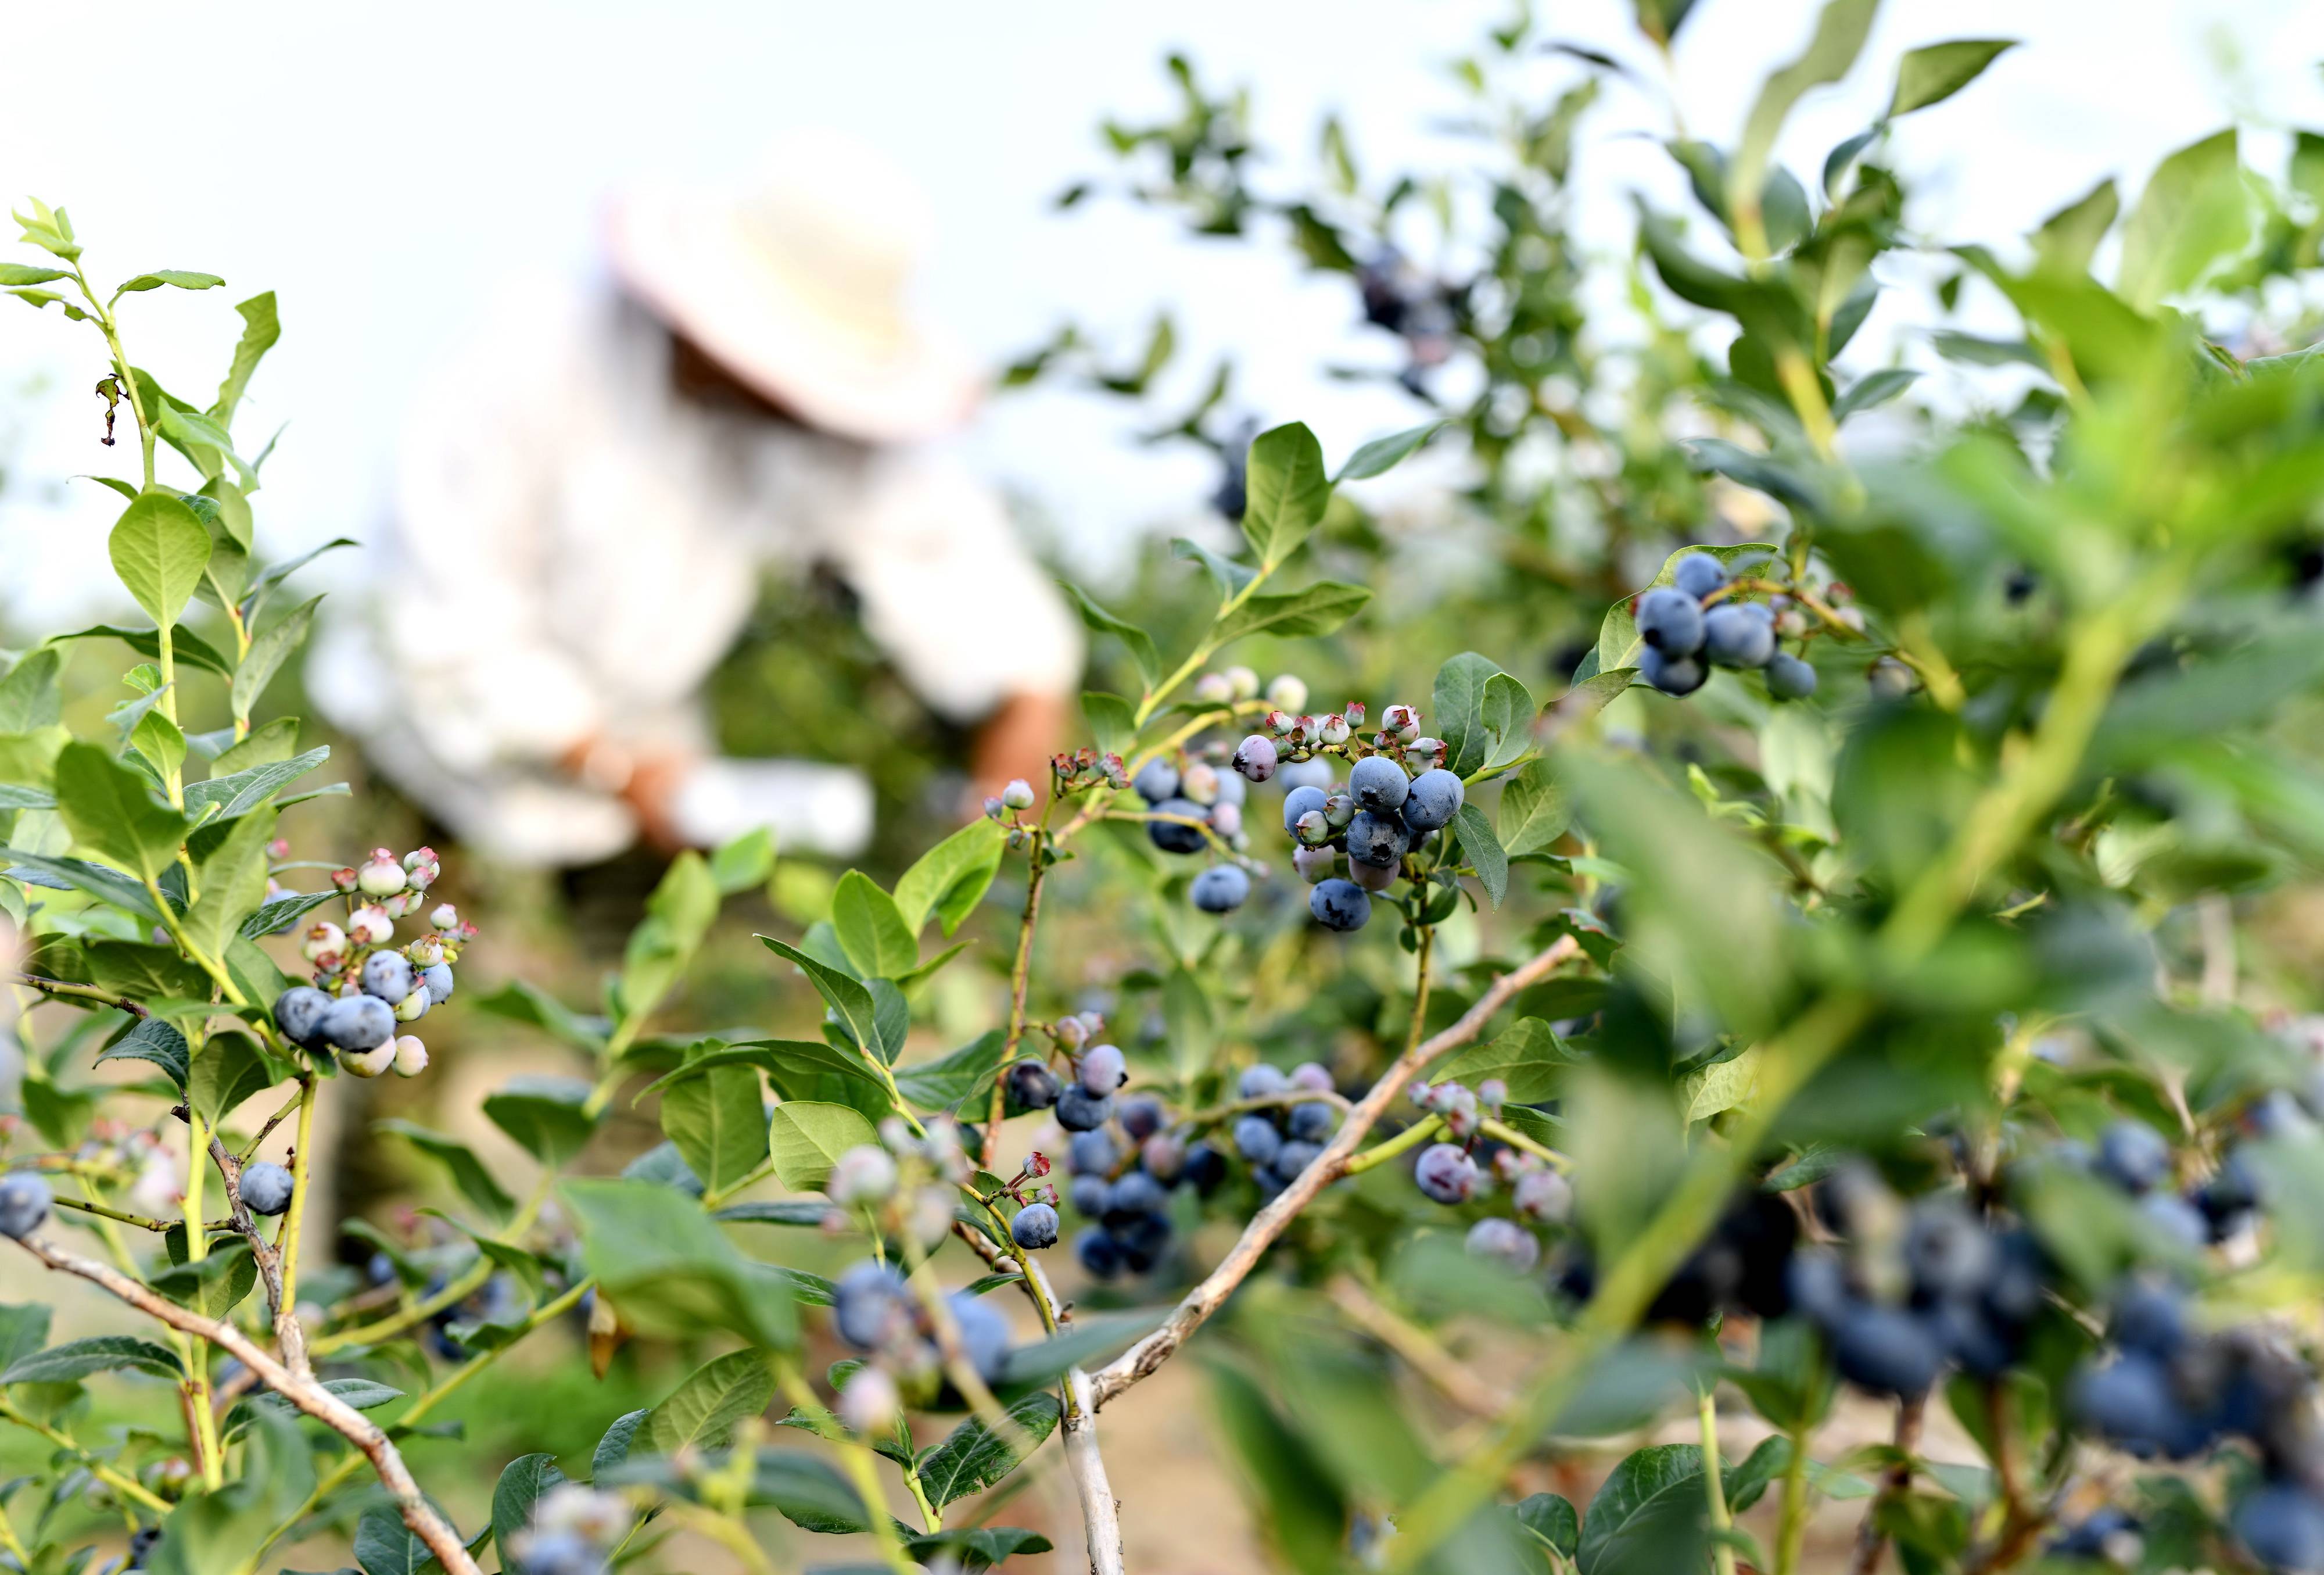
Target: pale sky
pixel 383 170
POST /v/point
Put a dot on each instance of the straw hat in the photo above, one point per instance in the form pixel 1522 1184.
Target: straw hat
pixel 796 283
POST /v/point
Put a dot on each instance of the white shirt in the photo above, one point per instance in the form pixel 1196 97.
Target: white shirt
pixel 576 546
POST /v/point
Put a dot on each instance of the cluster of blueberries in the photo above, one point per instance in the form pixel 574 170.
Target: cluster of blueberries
pixel 1384 813
pixel 1449 1172
pixel 1683 640
pixel 1417 309
pixel 365 988
pixel 1188 805
pixel 874 1309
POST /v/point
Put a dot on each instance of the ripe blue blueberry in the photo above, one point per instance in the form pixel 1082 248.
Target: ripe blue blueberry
pixel 1298 801
pixel 1260 1081
pixel 1089 1195
pixel 1103 1069
pixel 1256 1139
pixel 1035 1226
pixel 1293 1158
pixel 1670 621
pixel 866 1303
pixel 1312 1122
pixel 265 1189
pixel 1674 675
pixel 1434 799
pixel 438 977
pixel 1315 772
pixel 1698 574
pixel 1255 758
pixel 1142 1240
pixel 1446 1174
pixel 24 1203
pixel 1339 905
pixel 1378 785
pixel 1220 889
pixel 1091 1153
pixel 2176 1218
pixel 1204 1169
pixel 359 1022
pixel 2282 1525
pixel 2131 1403
pixel 2150 1316
pixel 1156 780
pixel 387 975
pixel 1503 1242
pixel 1886 1350
pixel 1079 1111
pixel 1173 836
pixel 1817 1283
pixel 2133 1155
pixel 1789 677
pixel 1141 1117
pixel 983 1334
pixel 1375 839
pixel 1097 1253
pixel 298 1013
pixel 1947 1252
pixel 1032 1086
pixel 1136 1193
pixel 1738 637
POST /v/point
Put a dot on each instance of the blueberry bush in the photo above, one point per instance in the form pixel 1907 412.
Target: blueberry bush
pixel 1831 995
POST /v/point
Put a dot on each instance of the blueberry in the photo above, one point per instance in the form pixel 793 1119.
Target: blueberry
pixel 2282 1525
pixel 141 1544
pixel 1947 1250
pixel 867 1302
pixel 1157 782
pixel 1674 675
pixel 1446 1174
pixel 1097 1253
pixel 1103 1069
pixel 1091 1194
pixel 561 1553
pixel 1091 1153
pixel 983 1334
pixel 1434 799
pixel 1255 758
pixel 388 976
pixel 1312 1075
pixel 1378 783
pixel 1140 1115
pixel 1971 1338
pixel 1503 1242
pixel 1163 1157
pixel 1884 1350
pixel 1079 1111
pixel 1142 1240
pixel 1339 905
pixel 1543 1195
pixel 1136 1193
pixel 359 1022
pixel 438 977
pixel 1256 1139
pixel 1299 801
pixel 1789 677
pixel 1890 679
pixel 1204 1170
pixel 1738 636
pixel 1314 865
pixel 1032 1086
pixel 1293 1158
pixel 1378 840
pixel 2175 1219
pixel 1173 835
pixel 2150 1317
pixel 1698 574
pixel 24 1203
pixel 2105 1533
pixel 1669 622
pixel 1231 790
pixel 1312 1122
pixel 299 1011
pixel 265 1189
pixel 1260 1081
pixel 1220 889
pixel 2130 1402
pixel 1315 772
pixel 2133 1155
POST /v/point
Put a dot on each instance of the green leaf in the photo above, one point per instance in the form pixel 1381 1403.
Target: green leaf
pixel 1382 455
pixel 718 1121
pixel 955 1079
pixel 142 972
pixel 1113 722
pixel 233 883
pixel 670 1271
pixel 809 1216
pixel 177 276
pixel 1660 19
pixel 1318 609
pixel 1226 573
pixel 1873 388
pixel 237 792
pixel 1483 850
pixel 520 1002
pixel 384 1545
pixel 152 1040
pixel 214 1285
pixel 459 1161
pixel 521 1483
pixel 24 1330
pixel 261 326
pixel 203 442
pixel 13 274
pixel 32 695
pixel 1137 641
pixel 355 1394
pixel 1934 73
pixel 104 1353
pixel 275 742
pixel 268 652
pixel 1529 1057
pixel 1086 1340
pixel 858 1012
pixel 702 1413
pixel 871 928
pixel 1650 1514
pixel 951 878
pixel 78 874
pixel 549 1117
pixel 1840 34
pixel 110 811
pixel 974 1456
pixel 614 1447
pixel 678 914
pixel 227 1071
pixel 1287 491
pixel 1551 1521
pixel 2069 238
pixel 976 1549
pixel 809 1491
pixel 2194 214
pixel 744 863
pixel 1534 812
pixel 158 548
pixel 278 915
pixel 807 1137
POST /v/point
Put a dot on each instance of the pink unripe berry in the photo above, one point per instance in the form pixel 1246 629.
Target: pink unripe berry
pixel 370 925
pixel 445 918
pixel 1255 759
pixel 345 879
pixel 1200 783
pixel 1226 820
pixel 1333 729
pixel 1214 690
pixel 324 939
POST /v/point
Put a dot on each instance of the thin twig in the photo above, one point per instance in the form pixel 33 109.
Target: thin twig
pixel 1020 985
pixel 304 1393
pixel 1143 1358
pixel 67 988
pixel 1420 1350
pixel 1871 1541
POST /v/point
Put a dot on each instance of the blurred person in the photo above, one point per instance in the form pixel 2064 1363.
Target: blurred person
pixel 587 497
